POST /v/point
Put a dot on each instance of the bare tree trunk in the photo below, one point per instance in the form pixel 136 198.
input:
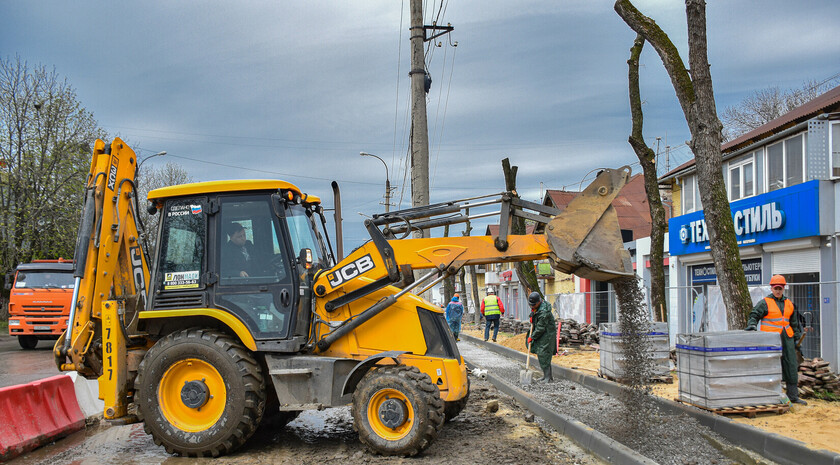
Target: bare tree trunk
pixel 647 158
pixel 696 96
pixel 473 279
pixel 525 270
pixel 449 282
pixel 476 302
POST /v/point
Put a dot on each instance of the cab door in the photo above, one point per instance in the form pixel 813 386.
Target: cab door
pixel 253 266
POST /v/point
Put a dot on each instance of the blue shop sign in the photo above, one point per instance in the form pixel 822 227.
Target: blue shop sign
pixel 701 274
pixel 784 214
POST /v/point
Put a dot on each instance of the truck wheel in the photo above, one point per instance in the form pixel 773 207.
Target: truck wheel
pixel 397 410
pixel 453 409
pixel 28 342
pixel 200 393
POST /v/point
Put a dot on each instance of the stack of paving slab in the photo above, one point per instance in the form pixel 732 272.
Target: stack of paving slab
pixel 612 347
pixel 730 369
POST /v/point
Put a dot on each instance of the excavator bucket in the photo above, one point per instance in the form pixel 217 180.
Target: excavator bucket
pixel 585 239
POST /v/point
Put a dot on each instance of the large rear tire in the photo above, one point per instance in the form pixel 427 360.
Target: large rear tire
pixel 28 342
pixel 200 393
pixel 397 410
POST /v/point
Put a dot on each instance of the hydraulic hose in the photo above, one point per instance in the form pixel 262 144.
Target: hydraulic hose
pixel 79 260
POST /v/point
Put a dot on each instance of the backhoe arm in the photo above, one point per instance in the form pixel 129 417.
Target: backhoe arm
pixel 111 269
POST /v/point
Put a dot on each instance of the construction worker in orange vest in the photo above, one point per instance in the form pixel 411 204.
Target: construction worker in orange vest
pixel 777 314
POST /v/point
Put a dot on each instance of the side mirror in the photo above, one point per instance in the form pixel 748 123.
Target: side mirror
pixel 8 281
pixel 305 258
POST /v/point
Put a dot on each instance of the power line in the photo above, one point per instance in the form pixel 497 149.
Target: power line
pixel 397 100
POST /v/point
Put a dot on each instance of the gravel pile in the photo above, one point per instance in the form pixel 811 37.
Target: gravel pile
pixel 664 438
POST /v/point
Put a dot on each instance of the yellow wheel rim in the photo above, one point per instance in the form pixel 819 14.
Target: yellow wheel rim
pixel 176 411
pixel 390 414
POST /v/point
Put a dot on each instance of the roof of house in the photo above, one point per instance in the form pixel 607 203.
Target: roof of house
pixel 630 204
pixel 493 229
pixel 827 102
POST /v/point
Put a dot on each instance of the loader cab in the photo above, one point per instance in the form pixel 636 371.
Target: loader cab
pixel 233 246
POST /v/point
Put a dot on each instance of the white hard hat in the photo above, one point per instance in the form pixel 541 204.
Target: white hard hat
pixel 490 290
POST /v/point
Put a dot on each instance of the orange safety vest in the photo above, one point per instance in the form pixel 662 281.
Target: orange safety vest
pixel 776 321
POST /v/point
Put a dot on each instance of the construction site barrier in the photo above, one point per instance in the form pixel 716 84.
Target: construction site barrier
pixel 37 413
pixel 87 394
pixel 780 449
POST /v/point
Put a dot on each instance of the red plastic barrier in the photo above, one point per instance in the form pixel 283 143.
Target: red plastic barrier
pixel 37 413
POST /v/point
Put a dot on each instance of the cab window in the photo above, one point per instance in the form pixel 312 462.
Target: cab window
pixel 304 233
pixel 250 243
pixel 182 245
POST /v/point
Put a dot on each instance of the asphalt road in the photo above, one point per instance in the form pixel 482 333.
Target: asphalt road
pixel 23 366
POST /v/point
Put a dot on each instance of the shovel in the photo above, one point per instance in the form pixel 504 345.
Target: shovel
pixel 799 357
pixel 526 375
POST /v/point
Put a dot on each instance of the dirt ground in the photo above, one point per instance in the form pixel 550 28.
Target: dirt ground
pixel 815 424
pixel 491 427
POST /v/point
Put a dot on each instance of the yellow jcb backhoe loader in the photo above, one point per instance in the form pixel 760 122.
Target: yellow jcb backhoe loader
pixel 244 311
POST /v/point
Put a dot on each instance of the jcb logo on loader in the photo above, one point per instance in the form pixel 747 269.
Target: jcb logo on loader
pixel 137 269
pixel 350 271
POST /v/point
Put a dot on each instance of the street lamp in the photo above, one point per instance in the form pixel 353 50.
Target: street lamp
pixel 387 180
pixel 159 154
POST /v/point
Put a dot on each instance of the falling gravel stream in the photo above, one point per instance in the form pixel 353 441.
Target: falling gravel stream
pixel 634 420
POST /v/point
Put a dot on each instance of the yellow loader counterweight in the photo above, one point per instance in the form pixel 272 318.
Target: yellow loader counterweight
pixel 244 311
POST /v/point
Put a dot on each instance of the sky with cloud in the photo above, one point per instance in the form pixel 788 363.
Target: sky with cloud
pixel 295 90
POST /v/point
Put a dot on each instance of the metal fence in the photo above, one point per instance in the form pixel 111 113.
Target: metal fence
pixel 701 309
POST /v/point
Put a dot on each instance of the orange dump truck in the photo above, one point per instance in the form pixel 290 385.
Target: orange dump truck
pixel 39 301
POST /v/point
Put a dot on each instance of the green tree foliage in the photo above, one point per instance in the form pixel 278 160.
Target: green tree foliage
pixel 46 138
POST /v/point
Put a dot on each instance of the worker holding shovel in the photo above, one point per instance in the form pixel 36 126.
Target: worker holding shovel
pixel 541 336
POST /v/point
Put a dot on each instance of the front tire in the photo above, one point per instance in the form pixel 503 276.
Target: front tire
pixel 397 410
pixel 28 342
pixel 200 393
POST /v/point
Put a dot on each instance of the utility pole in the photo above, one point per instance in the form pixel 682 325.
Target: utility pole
pixel 419 122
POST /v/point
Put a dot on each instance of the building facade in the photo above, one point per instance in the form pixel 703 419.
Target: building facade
pixel 782 183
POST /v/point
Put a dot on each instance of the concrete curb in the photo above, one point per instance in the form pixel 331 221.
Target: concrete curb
pixel 775 447
pixel 589 439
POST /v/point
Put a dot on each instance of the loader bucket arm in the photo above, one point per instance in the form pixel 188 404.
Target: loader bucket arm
pixel 583 239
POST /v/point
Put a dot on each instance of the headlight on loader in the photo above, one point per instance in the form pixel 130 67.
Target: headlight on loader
pixel 14 322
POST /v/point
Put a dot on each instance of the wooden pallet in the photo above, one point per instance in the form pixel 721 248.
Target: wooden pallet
pixel 656 379
pixel 749 411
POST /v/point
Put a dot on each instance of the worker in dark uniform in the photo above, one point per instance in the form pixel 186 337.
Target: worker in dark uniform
pixel 541 335
pixel 777 314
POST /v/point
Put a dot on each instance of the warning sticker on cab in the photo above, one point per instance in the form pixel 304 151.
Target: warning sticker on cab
pixel 181 280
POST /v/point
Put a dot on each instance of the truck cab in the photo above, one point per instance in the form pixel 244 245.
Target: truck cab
pixel 39 300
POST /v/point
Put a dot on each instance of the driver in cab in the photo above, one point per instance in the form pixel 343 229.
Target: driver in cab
pixel 238 253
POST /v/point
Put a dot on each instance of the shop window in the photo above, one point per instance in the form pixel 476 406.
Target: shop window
pixel 785 163
pixel 742 177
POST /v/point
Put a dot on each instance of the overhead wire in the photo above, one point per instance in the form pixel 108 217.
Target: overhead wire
pixel 445 106
pixel 397 86
pixel 435 126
